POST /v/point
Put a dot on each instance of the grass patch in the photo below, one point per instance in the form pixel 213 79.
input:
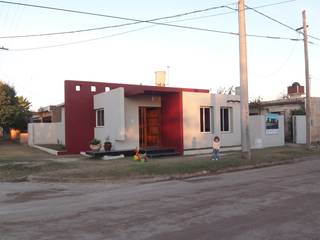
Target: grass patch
pixel 19 161
pixel 117 169
pixel 11 171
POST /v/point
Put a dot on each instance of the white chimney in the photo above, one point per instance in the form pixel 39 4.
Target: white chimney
pixel 160 80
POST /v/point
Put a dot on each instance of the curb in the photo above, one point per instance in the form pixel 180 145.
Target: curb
pixel 227 170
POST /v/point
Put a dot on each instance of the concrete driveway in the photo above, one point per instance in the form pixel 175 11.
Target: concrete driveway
pixel 279 202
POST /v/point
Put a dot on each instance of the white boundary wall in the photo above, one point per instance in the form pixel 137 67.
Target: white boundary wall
pixel 258 135
pixel 46 133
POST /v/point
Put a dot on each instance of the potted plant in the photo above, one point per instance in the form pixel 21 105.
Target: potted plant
pixel 107 144
pixel 95 144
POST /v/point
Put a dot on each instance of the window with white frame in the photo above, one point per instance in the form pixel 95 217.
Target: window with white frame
pixel 205 119
pixel 225 119
pixel 99 117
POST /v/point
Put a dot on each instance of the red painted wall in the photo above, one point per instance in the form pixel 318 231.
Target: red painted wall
pixel 172 121
pixel 79 115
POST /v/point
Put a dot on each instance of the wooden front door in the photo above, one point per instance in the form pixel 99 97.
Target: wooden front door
pixel 149 127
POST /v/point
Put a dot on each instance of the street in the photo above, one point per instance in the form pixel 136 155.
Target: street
pixel 280 202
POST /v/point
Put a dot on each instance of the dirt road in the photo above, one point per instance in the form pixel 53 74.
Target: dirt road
pixel 279 202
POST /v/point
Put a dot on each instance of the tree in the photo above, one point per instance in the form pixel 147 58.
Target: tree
pixel 14 110
pixel 256 104
pixel 226 91
pixel 23 114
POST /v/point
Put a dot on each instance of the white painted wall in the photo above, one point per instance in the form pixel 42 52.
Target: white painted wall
pixel 232 138
pixel 121 120
pixel 196 140
pixel 46 133
pixel 258 136
pixel 114 115
pixel 299 129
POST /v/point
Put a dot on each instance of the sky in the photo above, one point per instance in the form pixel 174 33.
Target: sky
pixel 131 54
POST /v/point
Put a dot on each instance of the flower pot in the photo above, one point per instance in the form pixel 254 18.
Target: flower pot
pixel 94 147
pixel 107 146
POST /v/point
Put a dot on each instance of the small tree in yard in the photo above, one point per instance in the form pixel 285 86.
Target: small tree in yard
pixel 256 104
pixel 14 110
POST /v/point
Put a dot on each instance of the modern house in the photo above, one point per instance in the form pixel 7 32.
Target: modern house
pixel 153 117
pixel 133 116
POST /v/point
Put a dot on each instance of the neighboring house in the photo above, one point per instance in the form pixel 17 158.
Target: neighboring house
pixel 294 104
pixel 47 126
pixel 284 107
pixel 48 114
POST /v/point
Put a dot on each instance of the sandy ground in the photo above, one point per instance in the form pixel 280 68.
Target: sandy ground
pixel 280 202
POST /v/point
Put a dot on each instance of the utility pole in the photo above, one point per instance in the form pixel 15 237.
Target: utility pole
pixel 244 106
pixel 306 62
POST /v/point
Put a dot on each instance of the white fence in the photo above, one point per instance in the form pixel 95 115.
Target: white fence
pixel 299 129
pixel 46 133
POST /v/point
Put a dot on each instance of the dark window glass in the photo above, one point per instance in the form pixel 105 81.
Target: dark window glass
pixel 207 119
pixel 100 117
pixel 225 119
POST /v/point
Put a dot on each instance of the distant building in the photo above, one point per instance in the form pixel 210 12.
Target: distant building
pixel 47 114
pixel 293 104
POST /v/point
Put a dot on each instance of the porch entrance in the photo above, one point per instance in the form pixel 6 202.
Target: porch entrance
pixel 149 127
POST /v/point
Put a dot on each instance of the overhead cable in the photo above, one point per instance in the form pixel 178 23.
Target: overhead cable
pixel 117 25
pixel 279 22
pixel 125 24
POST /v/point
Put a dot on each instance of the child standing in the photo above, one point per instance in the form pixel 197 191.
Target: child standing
pixel 216 148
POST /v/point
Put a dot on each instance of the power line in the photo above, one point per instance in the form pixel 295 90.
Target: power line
pixel 82 41
pixel 116 26
pixel 272 19
pixel 281 23
pixel 316 38
pixel 173 25
pixel 105 15
pixel 134 30
pixel 127 24
pixel 284 63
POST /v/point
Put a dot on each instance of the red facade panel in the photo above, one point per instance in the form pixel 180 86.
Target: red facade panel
pixel 172 121
pixel 79 115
